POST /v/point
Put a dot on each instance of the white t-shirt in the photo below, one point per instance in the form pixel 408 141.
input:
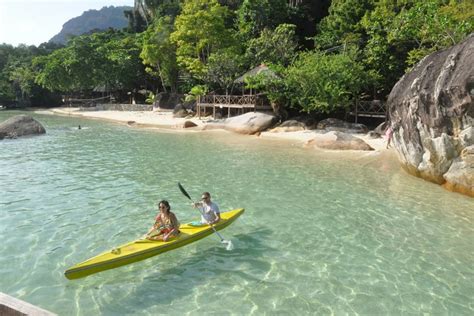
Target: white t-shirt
pixel 209 212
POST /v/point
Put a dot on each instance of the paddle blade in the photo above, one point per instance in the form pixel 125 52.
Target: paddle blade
pixel 184 191
pixel 229 244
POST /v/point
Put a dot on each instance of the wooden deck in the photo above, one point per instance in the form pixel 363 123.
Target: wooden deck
pixel 239 102
pixel 373 108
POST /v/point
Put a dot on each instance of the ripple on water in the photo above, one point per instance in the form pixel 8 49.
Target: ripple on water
pixel 322 233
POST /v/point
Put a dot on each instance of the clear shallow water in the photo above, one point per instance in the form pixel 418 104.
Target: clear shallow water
pixel 322 234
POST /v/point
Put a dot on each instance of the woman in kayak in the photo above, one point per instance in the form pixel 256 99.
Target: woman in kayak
pixel 166 224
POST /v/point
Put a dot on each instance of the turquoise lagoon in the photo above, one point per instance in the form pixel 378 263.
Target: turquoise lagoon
pixel 323 233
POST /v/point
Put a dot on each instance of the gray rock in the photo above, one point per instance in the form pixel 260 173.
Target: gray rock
pixel 374 135
pixel 289 126
pixel 166 100
pixel 460 176
pixel 20 125
pixel 338 141
pixel 431 109
pixel 380 129
pixel 179 111
pixel 189 124
pixel 250 123
pixel 332 124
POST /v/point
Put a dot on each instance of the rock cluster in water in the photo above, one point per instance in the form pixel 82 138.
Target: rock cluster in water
pixel 20 125
pixel 431 109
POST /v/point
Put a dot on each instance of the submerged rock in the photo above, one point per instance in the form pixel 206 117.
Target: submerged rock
pixel 338 141
pixel 20 125
pixel 431 109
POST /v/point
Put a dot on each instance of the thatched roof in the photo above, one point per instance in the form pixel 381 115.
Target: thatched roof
pixel 262 69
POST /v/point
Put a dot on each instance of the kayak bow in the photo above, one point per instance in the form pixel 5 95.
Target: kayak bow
pixel 142 249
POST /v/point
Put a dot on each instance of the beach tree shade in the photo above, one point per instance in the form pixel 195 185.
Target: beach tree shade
pixel 278 46
pixel 109 58
pixel 121 64
pixel 383 59
pixel 200 30
pixel 223 67
pixel 322 82
pixel 159 53
pixel 53 72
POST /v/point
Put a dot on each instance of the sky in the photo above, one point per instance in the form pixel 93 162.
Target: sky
pixel 33 22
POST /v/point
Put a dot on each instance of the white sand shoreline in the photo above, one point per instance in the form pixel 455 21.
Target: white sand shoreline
pixel 165 120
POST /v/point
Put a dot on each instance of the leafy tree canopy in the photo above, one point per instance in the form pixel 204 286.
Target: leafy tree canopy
pixel 256 15
pixel 277 46
pixel 324 82
pixel 200 31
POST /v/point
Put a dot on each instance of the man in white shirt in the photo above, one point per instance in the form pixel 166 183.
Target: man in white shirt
pixel 210 213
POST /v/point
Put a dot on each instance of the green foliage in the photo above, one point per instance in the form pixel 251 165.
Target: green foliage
pixel 362 47
pixel 109 58
pixel 159 52
pixel 341 26
pixel 272 85
pixel 432 25
pixel 200 31
pixel 256 15
pixel 273 46
pixel 17 75
pixel 150 98
pixel 195 92
pixel 223 67
pixel 322 82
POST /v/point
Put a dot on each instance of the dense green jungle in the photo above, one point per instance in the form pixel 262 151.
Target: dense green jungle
pixel 324 54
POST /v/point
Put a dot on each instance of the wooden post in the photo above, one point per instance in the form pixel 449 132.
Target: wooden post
pixel 214 107
pixel 198 110
pixel 356 109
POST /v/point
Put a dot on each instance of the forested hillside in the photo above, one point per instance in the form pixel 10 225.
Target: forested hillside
pixel 325 54
pixel 92 20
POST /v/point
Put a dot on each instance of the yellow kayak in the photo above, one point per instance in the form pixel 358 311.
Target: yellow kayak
pixel 142 249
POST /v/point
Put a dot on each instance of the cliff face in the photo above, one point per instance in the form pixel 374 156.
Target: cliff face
pixel 431 109
pixel 92 20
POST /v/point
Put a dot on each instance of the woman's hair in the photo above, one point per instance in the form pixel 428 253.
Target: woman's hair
pixel 166 204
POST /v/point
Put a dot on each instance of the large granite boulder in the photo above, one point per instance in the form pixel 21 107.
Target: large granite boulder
pixel 249 123
pixel 431 110
pixel 338 141
pixel 333 124
pixel 20 125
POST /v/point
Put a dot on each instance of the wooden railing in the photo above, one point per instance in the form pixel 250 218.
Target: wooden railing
pixel 239 102
pixel 228 100
pixel 375 108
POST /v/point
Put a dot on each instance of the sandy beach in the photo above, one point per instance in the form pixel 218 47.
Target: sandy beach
pixel 164 119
